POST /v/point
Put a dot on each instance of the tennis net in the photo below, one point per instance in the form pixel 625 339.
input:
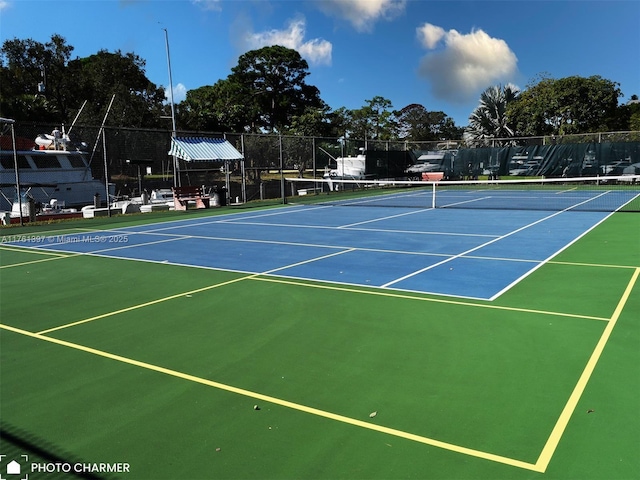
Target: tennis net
pixel 607 194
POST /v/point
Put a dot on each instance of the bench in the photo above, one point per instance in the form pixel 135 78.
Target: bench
pixel 432 176
pixel 183 195
pixel 309 191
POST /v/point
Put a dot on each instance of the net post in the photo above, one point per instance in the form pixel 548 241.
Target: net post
pixel 433 195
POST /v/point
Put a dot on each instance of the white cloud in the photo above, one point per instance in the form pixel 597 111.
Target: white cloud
pixel 4 4
pixel 430 35
pixel 315 51
pixel 466 65
pixel 214 5
pixel 363 14
pixel 179 93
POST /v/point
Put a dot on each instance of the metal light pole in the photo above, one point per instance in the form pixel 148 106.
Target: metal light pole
pixel 176 172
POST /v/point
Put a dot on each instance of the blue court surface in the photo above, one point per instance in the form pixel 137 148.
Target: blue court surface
pixel 475 254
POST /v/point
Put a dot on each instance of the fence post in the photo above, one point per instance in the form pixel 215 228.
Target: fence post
pixel 244 179
pixel 282 191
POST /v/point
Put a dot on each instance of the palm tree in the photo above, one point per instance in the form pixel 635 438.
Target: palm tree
pixel 489 119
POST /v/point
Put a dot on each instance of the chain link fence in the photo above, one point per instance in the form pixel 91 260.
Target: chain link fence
pixel 129 161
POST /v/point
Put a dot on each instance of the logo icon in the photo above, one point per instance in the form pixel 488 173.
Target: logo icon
pixel 11 469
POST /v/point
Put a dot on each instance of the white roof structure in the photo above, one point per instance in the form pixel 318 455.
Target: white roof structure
pixel 202 149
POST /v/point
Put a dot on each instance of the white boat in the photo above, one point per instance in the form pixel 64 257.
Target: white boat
pixel 349 168
pixel 55 141
pixel 55 168
pixel 25 208
pixel 346 168
pixel 161 199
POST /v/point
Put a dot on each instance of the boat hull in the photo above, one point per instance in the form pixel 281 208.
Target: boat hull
pixel 50 174
pixel 71 194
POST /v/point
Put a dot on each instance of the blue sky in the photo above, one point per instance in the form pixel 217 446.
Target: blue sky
pixel 440 54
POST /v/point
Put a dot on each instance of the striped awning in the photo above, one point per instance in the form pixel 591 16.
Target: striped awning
pixel 201 149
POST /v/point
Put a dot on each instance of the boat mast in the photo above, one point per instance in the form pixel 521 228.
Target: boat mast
pixel 77 115
pixel 10 122
pixel 176 173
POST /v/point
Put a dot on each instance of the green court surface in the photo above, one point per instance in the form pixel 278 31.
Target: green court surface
pixel 190 373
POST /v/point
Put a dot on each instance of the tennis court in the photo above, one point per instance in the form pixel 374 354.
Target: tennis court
pixel 319 341
pixel 428 251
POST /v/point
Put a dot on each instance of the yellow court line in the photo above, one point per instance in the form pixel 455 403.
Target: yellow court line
pixel 281 402
pixel 142 305
pixel 569 408
pixel 597 265
pixel 539 466
pixel 60 232
pixel 327 287
pixel 257 276
pixel 384 293
pixel 54 256
pixel 13 248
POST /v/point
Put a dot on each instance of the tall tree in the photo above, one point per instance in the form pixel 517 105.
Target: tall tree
pixel 340 119
pixel 633 107
pixel 138 102
pixel 627 116
pixel 271 85
pixel 313 122
pixel 33 84
pixel 27 64
pixel 416 123
pixel 374 121
pixel 216 108
pixel 566 106
pixel 489 120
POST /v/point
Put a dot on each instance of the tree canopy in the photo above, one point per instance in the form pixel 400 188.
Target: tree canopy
pixel 32 79
pixel 570 105
pixel 39 83
pixel 271 84
pixel 566 106
pixel 267 91
pixel 490 118
pixel 416 123
pixel 138 102
pixel 213 108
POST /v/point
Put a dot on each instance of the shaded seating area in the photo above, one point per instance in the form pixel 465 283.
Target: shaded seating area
pixel 214 154
pixel 183 195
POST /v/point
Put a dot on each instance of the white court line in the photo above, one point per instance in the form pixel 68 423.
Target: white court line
pixel 279 212
pixel 384 218
pixel 548 259
pixel 465 201
pixel 417 272
pixel 376 230
pixel 177 236
pixel 347 248
pixel 311 260
pixel 350 202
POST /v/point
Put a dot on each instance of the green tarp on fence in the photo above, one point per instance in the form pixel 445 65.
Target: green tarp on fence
pixel 573 160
